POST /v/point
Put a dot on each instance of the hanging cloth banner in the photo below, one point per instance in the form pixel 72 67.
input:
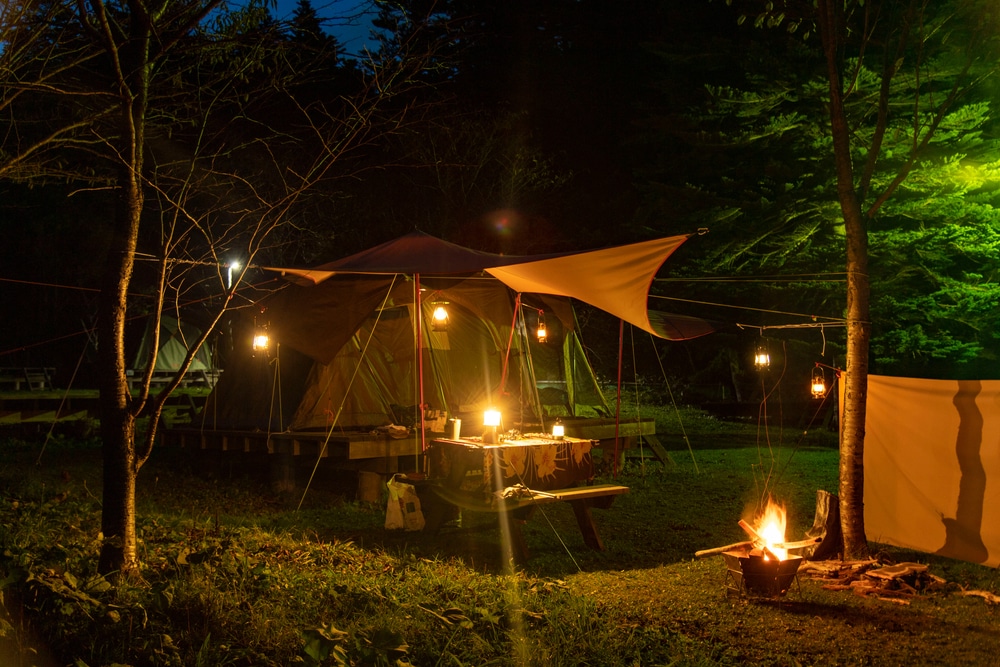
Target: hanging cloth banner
pixel 932 466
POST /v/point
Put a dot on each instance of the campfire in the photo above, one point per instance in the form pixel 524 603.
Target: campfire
pixel 761 566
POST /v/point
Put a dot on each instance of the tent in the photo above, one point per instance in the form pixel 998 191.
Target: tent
pixel 175 341
pixel 346 337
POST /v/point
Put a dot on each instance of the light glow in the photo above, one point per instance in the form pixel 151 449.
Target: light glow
pixel 261 342
pixel 491 417
pixel 439 318
pixel 771 528
pixel 541 332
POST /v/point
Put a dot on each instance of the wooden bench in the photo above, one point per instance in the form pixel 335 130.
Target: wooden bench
pixel 36 379
pixel 515 511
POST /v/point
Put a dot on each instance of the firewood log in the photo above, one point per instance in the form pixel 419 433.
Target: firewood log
pixel 719 550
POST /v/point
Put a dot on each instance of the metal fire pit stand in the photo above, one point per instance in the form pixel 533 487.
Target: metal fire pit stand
pixel 754 576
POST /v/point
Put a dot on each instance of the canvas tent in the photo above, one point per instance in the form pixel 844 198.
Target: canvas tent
pixel 176 338
pixel 347 337
pixel 932 466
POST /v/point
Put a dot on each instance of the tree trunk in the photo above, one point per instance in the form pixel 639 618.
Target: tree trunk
pixel 118 549
pixel 118 411
pixel 852 436
pixel 119 556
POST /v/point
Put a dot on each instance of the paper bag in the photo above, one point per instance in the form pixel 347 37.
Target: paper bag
pixel 403 509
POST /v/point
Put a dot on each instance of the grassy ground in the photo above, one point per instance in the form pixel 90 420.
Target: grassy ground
pixel 234 575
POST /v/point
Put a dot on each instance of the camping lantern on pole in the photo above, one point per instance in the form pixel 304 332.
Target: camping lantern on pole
pixel 541 332
pixel 491 420
pixel 818 384
pixel 761 358
pixel 261 343
pixel 439 317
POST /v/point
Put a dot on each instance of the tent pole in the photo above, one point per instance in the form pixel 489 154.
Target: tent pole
pixel 420 358
pixel 510 343
pixel 529 384
pixel 618 397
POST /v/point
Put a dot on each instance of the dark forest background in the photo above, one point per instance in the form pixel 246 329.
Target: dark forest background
pixel 545 125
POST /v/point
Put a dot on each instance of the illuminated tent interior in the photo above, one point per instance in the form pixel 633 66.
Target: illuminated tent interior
pixel 174 341
pixel 343 337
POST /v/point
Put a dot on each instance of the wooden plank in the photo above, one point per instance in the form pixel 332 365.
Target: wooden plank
pixel 605 429
pixel 373 449
pixel 578 493
pixel 10 417
pixel 48 416
pixel 598 495
pixel 658 449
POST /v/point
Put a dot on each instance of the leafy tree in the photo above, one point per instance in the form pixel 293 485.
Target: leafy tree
pixel 895 93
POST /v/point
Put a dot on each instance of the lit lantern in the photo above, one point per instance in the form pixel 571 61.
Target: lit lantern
pixel 818 384
pixel 491 420
pixel 261 343
pixel 761 359
pixel 541 332
pixel 558 430
pixel 439 318
pixel 491 417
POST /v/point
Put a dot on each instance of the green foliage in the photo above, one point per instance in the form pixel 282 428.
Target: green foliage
pixel 769 195
pixel 331 589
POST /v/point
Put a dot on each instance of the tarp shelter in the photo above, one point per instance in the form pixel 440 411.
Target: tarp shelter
pixel 932 466
pixel 345 337
pixel 176 339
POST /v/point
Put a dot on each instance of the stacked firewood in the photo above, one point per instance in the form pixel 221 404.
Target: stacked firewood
pixel 897 583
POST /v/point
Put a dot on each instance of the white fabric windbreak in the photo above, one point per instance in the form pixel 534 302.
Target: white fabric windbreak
pixel 932 466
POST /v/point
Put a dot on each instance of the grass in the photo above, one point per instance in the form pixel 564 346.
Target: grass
pixel 233 575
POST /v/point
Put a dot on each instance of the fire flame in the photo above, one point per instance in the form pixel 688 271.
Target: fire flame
pixel 771 528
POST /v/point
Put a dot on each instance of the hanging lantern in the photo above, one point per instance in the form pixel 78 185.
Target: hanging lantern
pixel 761 359
pixel 558 430
pixel 261 343
pixel 439 317
pixel 541 332
pixel 818 384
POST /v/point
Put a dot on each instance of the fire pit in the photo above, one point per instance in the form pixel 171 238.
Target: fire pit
pixel 761 566
pixel 756 575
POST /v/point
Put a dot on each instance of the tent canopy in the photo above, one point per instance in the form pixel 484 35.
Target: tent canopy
pixel 350 353
pixel 616 279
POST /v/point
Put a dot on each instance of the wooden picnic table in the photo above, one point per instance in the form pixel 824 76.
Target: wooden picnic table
pixel 513 477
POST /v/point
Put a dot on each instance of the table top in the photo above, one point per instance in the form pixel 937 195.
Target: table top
pixel 525 440
pixel 536 461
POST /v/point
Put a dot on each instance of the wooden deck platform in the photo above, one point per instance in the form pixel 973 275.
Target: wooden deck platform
pixel 349 446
